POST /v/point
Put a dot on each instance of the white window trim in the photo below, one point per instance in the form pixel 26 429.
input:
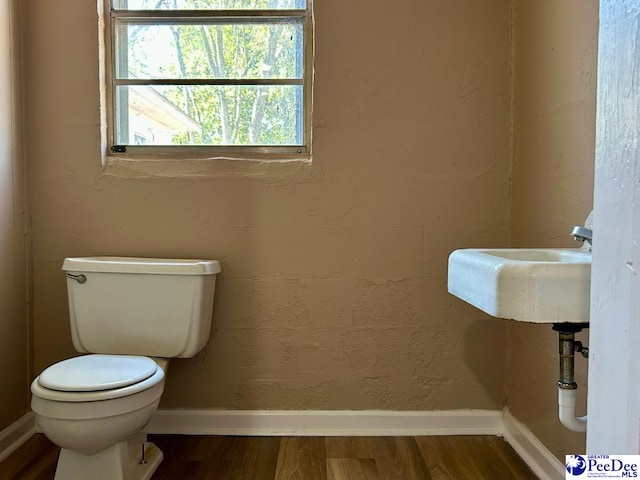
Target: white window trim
pixel 148 155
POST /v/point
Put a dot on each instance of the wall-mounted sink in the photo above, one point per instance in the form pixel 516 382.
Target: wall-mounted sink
pixel 538 285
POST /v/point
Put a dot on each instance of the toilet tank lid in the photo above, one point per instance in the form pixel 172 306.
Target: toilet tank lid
pixel 158 266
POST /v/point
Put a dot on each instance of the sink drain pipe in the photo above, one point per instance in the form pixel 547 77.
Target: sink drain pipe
pixel 567 386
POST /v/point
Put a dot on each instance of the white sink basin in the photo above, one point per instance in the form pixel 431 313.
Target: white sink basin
pixel 538 285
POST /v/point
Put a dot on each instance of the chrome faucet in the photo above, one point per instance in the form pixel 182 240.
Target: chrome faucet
pixel 582 234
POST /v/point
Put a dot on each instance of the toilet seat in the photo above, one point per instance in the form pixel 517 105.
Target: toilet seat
pixel 88 373
pixel 95 377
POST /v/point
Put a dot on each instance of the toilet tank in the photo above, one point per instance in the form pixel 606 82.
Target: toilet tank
pixel 140 306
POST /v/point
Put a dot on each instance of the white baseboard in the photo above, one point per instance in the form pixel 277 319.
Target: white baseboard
pixel 539 459
pixel 16 434
pixel 325 422
pixel 334 423
pixel 357 423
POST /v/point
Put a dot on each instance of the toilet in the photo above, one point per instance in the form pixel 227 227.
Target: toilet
pixel 129 316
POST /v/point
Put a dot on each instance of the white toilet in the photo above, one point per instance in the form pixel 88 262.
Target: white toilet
pixel 131 315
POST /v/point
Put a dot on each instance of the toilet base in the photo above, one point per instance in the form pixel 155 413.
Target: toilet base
pixel 122 461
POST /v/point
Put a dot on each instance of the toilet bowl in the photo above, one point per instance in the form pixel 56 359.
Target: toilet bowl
pixel 130 315
pixel 87 417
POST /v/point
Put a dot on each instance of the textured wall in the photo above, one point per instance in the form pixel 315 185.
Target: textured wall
pixel 14 362
pixel 333 291
pixel 555 51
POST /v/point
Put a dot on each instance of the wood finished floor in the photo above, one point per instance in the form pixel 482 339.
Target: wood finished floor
pixel 304 458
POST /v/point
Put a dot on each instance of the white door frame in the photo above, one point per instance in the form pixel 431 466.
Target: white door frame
pixel 614 363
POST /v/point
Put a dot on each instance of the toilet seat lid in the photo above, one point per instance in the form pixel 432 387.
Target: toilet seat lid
pixel 95 372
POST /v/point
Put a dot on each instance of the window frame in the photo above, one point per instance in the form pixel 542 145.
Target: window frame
pixel 189 17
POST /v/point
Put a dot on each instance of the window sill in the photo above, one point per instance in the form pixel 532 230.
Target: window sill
pixel 205 167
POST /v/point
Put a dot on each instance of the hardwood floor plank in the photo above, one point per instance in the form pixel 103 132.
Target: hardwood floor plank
pixel 467 457
pixel 222 458
pixel 349 447
pixel 261 458
pixel 35 460
pixel 174 456
pixel 513 461
pixel 444 459
pixel 302 458
pixel 183 470
pixel 352 469
pixel 219 458
pixel 397 458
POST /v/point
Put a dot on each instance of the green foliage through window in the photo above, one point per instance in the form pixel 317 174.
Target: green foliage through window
pixel 214 73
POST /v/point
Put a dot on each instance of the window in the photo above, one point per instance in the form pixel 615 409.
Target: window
pixel 227 77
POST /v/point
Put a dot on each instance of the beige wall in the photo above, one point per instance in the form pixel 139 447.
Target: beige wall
pixel 14 355
pixel 333 291
pixel 555 51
